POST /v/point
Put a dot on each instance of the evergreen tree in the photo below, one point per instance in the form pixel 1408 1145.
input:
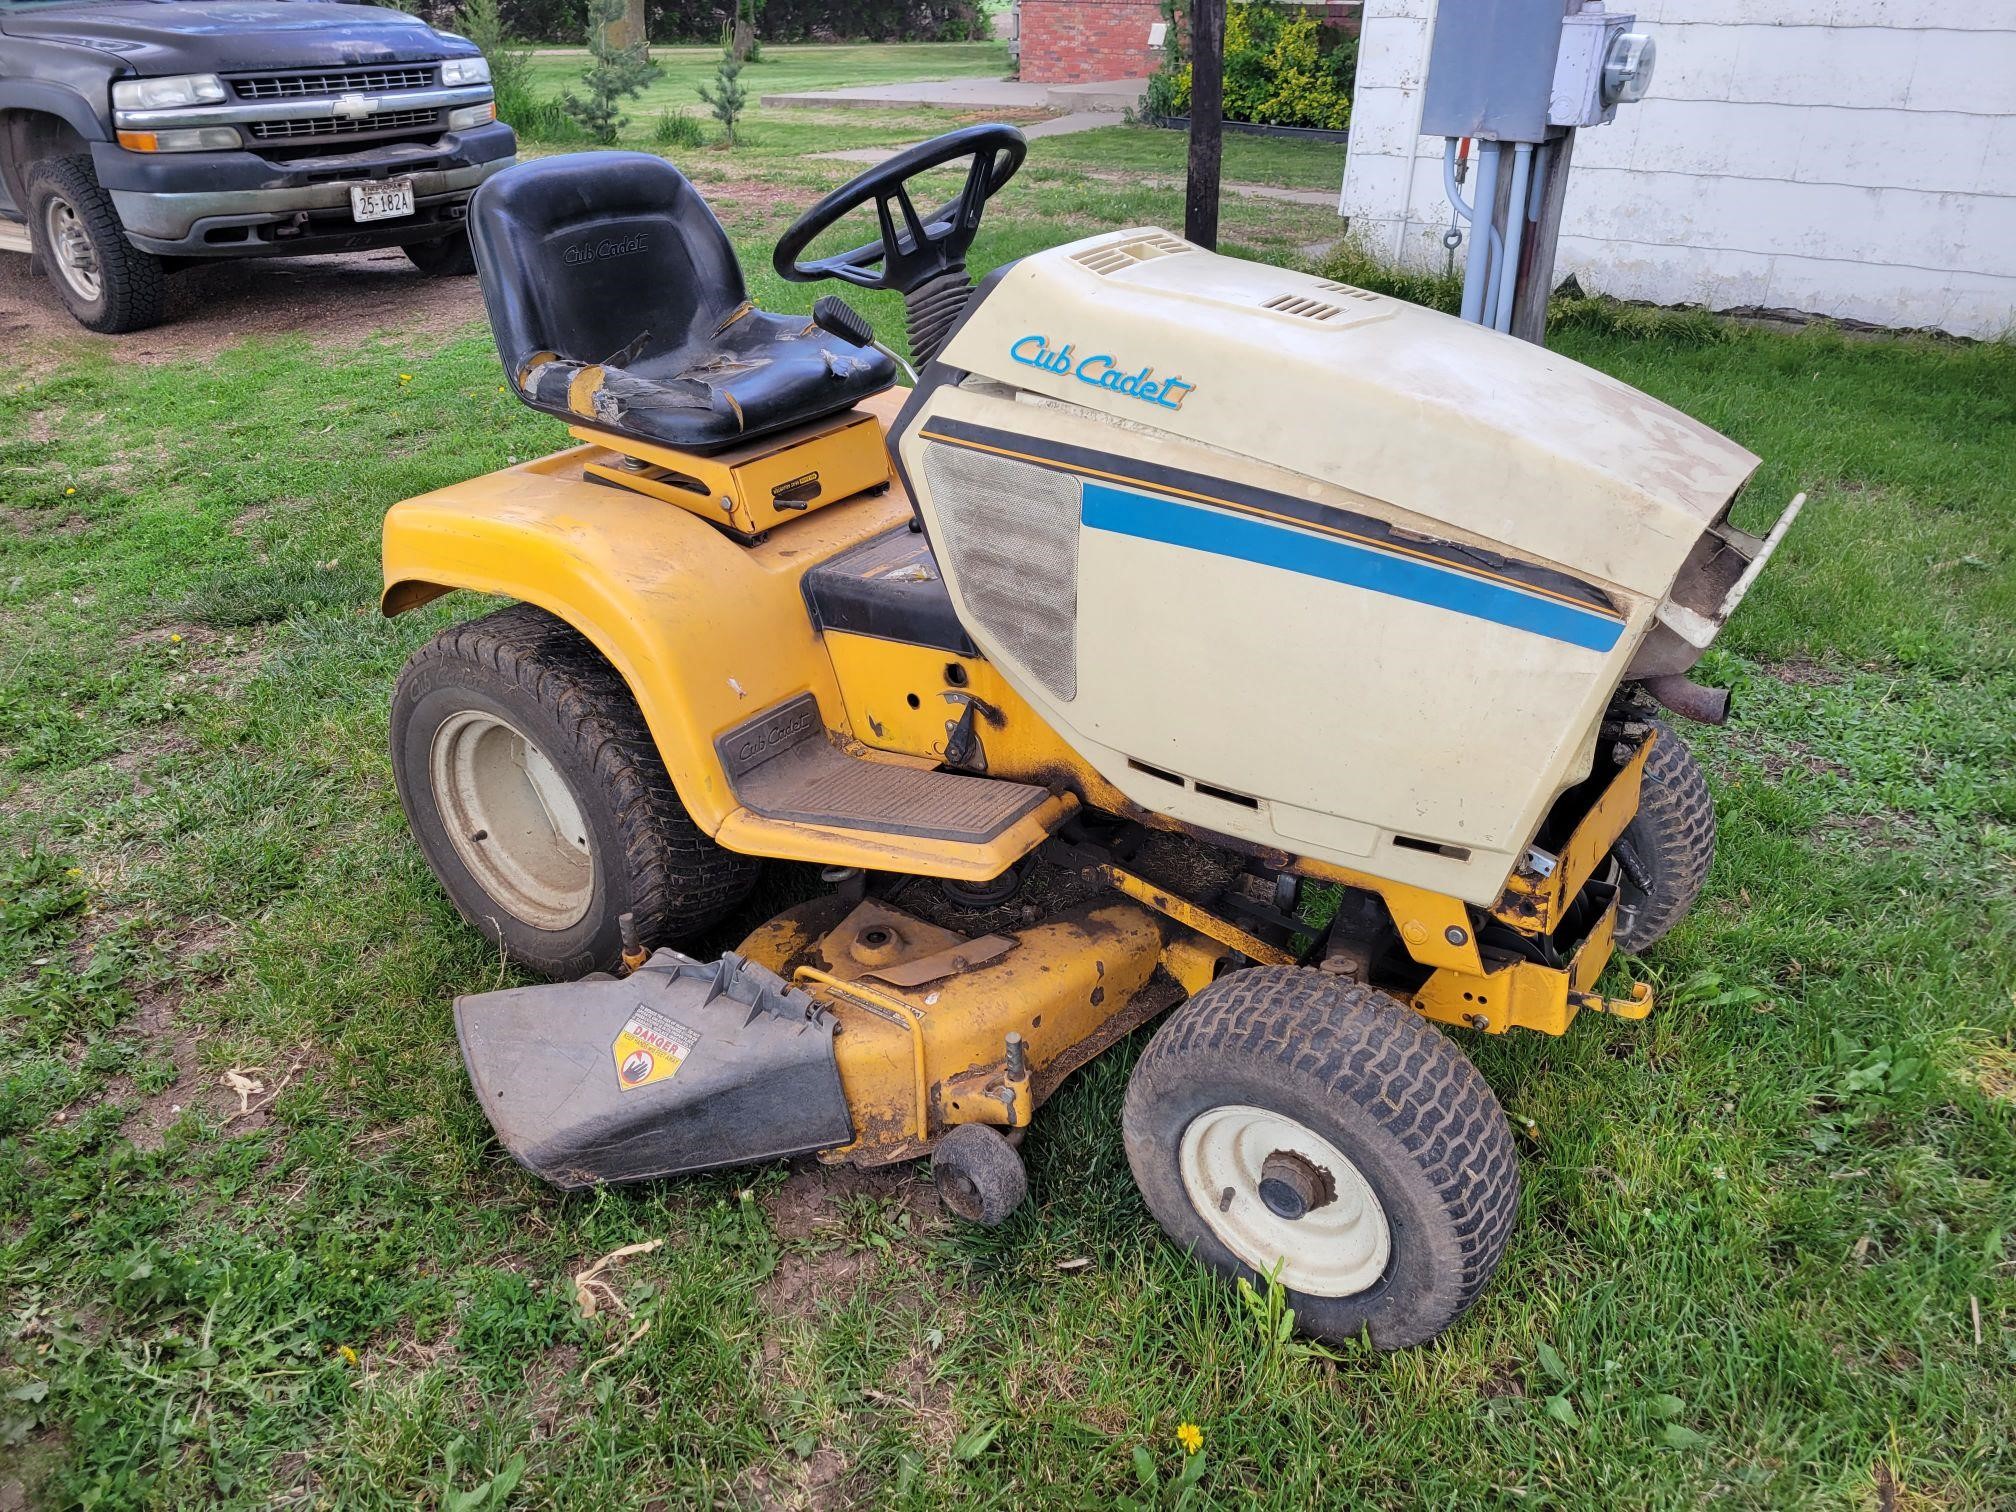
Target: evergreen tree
pixel 617 74
pixel 728 95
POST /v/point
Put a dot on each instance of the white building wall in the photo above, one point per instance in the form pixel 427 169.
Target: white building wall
pixel 1854 158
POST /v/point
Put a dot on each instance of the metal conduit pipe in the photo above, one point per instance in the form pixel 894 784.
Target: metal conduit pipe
pixel 1515 234
pixel 1477 268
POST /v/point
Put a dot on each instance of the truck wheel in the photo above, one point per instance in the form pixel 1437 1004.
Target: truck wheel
pixel 540 801
pixel 1285 1118
pixel 109 284
pixel 1664 854
pixel 449 257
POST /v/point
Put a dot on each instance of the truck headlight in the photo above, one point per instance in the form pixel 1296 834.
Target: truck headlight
pixel 466 71
pixel 471 116
pixel 168 94
pixel 192 139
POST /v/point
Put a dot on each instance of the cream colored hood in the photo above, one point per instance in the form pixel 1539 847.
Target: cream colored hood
pixel 1473 432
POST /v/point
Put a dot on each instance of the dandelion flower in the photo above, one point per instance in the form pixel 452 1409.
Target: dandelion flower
pixel 349 1355
pixel 68 491
pixel 405 377
pixel 1190 1436
pixel 175 639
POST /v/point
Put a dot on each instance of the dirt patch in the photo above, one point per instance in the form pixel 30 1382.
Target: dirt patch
pixel 811 1484
pixel 1804 672
pixel 333 300
pixel 812 1197
pixel 1802 760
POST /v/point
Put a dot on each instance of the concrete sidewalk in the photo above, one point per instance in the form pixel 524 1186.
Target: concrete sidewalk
pixel 1108 98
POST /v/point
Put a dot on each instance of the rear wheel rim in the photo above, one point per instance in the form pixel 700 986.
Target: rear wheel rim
pixel 512 819
pixel 70 249
pixel 1276 1193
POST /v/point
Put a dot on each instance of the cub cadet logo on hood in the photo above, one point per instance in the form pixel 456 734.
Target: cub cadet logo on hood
pixel 609 246
pixel 1102 372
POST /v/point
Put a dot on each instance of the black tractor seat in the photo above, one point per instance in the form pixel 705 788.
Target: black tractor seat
pixel 617 302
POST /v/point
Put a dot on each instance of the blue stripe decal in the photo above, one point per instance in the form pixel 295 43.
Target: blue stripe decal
pixel 1221 533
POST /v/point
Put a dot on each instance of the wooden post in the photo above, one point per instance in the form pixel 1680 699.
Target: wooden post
pixel 1207 121
pixel 1536 258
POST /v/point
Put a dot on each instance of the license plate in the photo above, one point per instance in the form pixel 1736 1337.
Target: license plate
pixel 386 201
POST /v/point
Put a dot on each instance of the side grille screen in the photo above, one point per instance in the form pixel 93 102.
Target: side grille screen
pixel 1011 540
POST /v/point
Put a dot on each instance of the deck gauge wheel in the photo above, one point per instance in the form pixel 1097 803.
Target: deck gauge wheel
pixel 979 1175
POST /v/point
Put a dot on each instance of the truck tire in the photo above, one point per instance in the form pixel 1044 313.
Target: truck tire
pixel 447 257
pixel 540 802
pixel 1665 852
pixel 105 281
pixel 1285 1117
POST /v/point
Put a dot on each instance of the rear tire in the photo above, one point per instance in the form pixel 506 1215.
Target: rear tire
pixel 1284 1117
pixel 448 257
pixel 539 799
pixel 1670 844
pixel 105 281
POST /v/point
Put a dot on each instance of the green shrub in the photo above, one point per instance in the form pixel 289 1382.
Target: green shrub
pixel 1280 68
pixel 673 129
pixel 482 22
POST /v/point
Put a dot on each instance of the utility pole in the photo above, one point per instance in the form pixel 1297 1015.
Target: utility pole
pixel 1207 122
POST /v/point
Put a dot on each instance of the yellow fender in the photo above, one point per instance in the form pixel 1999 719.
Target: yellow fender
pixel 705 631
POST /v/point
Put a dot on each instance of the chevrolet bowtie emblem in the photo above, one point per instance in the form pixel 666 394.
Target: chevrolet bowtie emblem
pixel 354 107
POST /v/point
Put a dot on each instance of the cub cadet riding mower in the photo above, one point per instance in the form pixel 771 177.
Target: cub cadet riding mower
pixel 1179 599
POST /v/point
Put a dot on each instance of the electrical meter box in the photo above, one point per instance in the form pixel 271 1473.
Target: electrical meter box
pixel 1579 96
pixel 1518 70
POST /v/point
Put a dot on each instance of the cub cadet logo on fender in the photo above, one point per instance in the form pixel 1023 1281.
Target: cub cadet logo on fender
pixel 1102 372
pixel 650 1048
pixel 609 246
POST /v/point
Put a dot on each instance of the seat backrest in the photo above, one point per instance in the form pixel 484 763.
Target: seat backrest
pixel 600 257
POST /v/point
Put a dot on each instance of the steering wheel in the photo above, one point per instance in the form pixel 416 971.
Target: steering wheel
pixel 924 247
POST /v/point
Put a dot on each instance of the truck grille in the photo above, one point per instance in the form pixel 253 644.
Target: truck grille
pixel 327 126
pixel 345 81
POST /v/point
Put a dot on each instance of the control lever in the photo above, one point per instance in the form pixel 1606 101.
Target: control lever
pixel 836 317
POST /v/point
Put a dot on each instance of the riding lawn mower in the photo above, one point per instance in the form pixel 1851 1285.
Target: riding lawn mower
pixel 1191 635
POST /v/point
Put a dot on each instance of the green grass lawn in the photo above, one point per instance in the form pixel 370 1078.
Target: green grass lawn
pixel 788 69
pixel 1756 1234
pixel 1282 162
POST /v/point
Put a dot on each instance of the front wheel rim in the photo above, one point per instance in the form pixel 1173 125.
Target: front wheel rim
pixel 1276 1193
pixel 71 250
pixel 512 819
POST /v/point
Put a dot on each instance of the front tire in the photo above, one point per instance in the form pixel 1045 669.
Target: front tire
pixel 1285 1120
pixel 1665 852
pixel 539 799
pixel 105 281
pixel 447 257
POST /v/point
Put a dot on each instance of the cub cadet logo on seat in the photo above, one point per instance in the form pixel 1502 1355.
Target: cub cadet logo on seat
pixel 1102 372
pixel 609 246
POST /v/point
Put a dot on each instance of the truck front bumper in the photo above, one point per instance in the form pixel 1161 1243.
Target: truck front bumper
pixel 241 204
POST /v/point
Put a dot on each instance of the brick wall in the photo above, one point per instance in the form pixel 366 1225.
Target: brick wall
pixel 1080 41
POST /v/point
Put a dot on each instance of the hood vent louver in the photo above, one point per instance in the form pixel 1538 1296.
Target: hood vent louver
pixel 1115 257
pixel 1351 291
pixel 1301 308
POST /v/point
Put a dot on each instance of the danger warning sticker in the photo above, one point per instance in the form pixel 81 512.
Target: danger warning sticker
pixel 650 1048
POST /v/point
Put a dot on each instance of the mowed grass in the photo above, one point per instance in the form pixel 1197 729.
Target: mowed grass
pixel 786 69
pixel 1764 1251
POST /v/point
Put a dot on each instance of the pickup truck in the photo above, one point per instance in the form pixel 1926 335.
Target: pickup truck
pixel 140 136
